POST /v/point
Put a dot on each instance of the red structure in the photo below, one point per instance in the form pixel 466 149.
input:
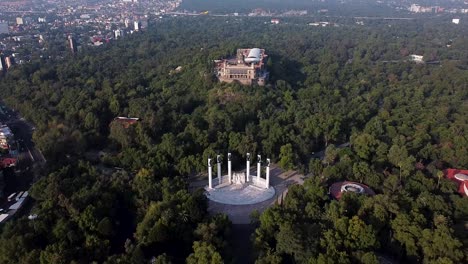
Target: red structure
pixel 7 162
pixel 460 177
pixel 126 121
pixel 338 188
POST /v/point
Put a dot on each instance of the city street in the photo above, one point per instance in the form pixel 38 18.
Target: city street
pixel 20 177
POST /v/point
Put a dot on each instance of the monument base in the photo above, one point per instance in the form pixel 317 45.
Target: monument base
pixel 240 192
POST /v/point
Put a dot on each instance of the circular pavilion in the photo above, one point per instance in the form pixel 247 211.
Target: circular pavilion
pixel 338 188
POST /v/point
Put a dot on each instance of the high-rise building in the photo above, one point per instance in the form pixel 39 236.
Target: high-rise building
pixel 8 62
pixel 71 43
pixel 127 22
pixel 19 21
pixel 118 33
pixel 136 26
pixel 2 64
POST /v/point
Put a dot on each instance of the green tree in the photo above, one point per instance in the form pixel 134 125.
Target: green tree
pixel 399 157
pixel 331 153
pixel 204 253
pixel 287 158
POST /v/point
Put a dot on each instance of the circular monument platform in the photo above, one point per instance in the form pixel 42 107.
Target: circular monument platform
pixel 339 188
pixel 240 193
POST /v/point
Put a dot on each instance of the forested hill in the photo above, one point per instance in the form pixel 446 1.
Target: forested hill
pixel 406 123
pixel 330 7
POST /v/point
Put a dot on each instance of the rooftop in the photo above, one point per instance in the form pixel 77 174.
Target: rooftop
pixel 460 177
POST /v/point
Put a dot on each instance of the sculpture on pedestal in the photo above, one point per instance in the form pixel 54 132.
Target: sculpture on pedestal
pixel 218 159
pixel 259 166
pixel 210 176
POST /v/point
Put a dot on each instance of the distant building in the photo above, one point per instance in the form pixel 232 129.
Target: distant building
pixel 417 58
pixel 456 21
pixel 275 21
pixel 425 9
pixel 71 43
pixel 136 26
pixel 41 20
pixel 8 147
pixel 2 64
pixel 126 121
pixel 8 62
pixel 247 68
pixel 320 24
pixel 6 138
pixel 4 28
pixel 127 22
pixel 118 33
pixel 85 16
pixel 19 21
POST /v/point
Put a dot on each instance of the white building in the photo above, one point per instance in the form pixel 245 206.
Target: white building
pixel 118 33
pixel 417 58
pixel 19 21
pixel 456 21
pixel 136 26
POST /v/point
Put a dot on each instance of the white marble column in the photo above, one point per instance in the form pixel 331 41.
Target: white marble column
pixel 267 180
pixel 218 159
pixel 210 176
pixel 247 170
pixel 259 168
pixel 229 168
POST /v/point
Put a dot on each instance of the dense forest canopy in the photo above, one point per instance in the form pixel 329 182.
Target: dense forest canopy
pixel 274 6
pixel 405 122
pixel 346 7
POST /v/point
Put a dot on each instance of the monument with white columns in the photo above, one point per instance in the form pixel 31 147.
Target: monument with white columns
pixel 210 176
pixel 247 169
pixel 267 172
pixel 239 188
pixel 229 168
pixel 218 160
pixel 259 168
